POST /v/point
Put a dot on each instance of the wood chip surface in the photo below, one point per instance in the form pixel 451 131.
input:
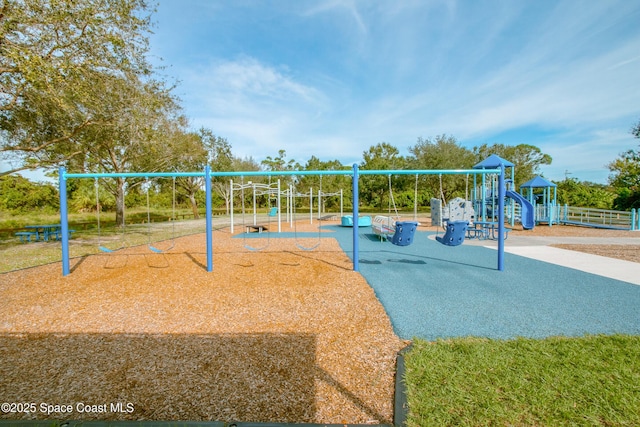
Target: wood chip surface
pixel 279 335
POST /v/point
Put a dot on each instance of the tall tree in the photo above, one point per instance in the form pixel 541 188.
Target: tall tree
pixel 382 156
pixel 220 159
pixel 328 183
pixel 442 152
pixel 51 55
pixel 142 117
pixel 279 163
pixel 190 155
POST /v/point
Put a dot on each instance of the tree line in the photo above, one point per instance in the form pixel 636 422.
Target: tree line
pixel 378 192
pixel 77 89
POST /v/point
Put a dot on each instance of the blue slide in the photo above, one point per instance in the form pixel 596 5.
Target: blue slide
pixel 526 210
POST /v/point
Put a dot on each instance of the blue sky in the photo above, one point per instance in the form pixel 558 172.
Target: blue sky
pixel 331 78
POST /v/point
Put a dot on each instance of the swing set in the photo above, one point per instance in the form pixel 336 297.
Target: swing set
pixel 150 244
pixel 207 174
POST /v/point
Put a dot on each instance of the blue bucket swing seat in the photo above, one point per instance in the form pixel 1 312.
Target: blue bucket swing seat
pixel 403 235
pixel 455 233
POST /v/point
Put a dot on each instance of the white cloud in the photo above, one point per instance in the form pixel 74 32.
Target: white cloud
pixel 260 109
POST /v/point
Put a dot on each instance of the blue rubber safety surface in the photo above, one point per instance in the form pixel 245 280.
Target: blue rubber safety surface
pixel 433 291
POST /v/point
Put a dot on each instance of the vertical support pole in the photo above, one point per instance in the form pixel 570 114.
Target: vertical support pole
pixel 64 221
pixel 356 249
pixel 290 205
pixel 209 220
pixel 633 219
pixel 255 213
pixel 310 205
pixel 319 201
pixel 231 203
pixel 483 202
pixel 341 211
pixel 415 200
pixel 278 204
pixel 501 196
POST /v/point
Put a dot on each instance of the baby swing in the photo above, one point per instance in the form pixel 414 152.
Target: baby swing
pixel 403 230
pixel 455 230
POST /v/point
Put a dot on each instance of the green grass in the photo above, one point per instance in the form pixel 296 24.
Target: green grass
pixel 85 240
pixel 587 381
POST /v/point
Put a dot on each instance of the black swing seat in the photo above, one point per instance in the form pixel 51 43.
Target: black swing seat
pixel 455 233
pixel 403 235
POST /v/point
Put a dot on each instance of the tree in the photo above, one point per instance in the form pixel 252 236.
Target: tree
pixel 190 154
pixel 442 152
pixel 279 163
pixel 220 159
pixel 374 188
pixel 19 195
pixel 625 176
pixel 625 179
pixel 142 116
pixel 584 194
pixel 328 183
pixel 52 55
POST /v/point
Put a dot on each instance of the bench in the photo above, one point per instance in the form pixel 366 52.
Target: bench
pixel 25 236
pixel 259 228
pixel 383 226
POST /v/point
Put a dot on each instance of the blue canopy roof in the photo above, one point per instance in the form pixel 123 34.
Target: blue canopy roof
pixel 538 182
pixel 492 162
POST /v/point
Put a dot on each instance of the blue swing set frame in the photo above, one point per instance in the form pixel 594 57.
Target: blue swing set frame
pixel 207 174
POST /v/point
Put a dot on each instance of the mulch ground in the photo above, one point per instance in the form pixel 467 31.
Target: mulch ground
pixel 280 335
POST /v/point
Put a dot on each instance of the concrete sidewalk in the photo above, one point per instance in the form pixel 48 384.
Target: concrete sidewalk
pixel 538 248
pixel 625 271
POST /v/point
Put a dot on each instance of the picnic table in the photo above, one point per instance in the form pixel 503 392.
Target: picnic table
pixel 44 232
pixel 485 230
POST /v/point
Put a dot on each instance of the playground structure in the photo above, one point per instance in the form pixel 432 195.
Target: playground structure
pixel 487 195
pixel 543 208
pixel 274 191
pixel 208 174
pixel 536 204
pixel 270 191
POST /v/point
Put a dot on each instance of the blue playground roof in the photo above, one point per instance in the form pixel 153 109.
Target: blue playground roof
pixel 492 162
pixel 538 182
